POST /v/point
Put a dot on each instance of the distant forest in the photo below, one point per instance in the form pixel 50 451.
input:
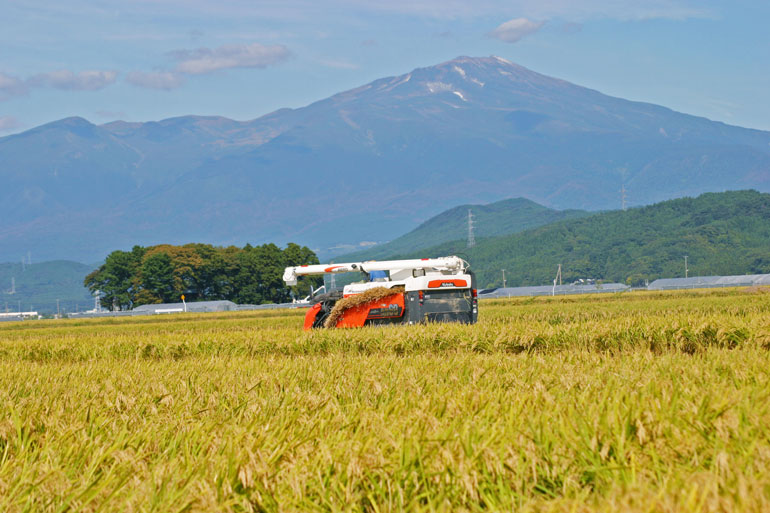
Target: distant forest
pixel 163 273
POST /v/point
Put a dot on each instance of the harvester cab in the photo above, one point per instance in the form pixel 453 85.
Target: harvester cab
pixel 394 292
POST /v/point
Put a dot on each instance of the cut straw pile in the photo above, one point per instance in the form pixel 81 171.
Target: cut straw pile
pixel 349 302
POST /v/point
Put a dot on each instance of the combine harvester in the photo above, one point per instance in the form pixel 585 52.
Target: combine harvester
pixel 395 292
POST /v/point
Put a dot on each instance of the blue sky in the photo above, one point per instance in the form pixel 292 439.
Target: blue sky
pixel 141 60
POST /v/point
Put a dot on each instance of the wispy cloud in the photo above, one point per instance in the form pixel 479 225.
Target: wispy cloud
pixel 9 123
pixel 338 64
pixel 70 81
pixel 165 80
pixel 11 86
pixel 571 28
pixel 538 9
pixel 60 79
pixel 514 30
pixel 207 60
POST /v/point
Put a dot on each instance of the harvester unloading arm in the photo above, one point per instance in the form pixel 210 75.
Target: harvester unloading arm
pixel 452 264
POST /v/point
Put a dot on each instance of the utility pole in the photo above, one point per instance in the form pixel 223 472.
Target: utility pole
pixel 503 278
pixel 58 311
pixel 558 278
pixel 686 270
pixel 471 238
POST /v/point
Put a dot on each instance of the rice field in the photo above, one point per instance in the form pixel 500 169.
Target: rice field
pixel 635 402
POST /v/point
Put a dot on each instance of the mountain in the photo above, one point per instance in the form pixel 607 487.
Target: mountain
pixel 38 286
pixel 363 165
pixel 720 233
pixel 495 219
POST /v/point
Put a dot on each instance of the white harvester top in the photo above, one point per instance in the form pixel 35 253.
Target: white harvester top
pixel 418 274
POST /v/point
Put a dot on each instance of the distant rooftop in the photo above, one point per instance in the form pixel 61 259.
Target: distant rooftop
pixel 547 290
pixel 697 282
pixel 198 306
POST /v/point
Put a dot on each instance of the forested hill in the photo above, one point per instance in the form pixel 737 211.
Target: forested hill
pixel 495 219
pixel 721 233
pixel 38 287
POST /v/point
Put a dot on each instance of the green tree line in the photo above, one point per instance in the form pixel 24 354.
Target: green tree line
pixel 161 274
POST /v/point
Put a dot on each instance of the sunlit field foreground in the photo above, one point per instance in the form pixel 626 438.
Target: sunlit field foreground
pixel 635 402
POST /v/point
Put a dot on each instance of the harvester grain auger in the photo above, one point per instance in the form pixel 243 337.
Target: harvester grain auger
pixel 395 292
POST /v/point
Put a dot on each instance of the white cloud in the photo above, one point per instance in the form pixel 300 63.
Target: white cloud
pixel 69 81
pixel 8 123
pixel 11 86
pixel 514 30
pixel 207 60
pixel 166 80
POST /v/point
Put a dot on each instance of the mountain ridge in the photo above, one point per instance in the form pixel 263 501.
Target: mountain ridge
pixel 364 164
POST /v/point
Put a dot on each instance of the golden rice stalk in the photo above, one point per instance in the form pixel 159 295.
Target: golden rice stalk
pixel 347 303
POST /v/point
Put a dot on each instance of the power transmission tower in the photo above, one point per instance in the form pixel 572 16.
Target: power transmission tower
pixel 471 238
pixel 13 286
pixel 503 278
pixel 686 270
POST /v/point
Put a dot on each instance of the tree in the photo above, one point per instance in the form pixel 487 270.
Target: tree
pixel 117 279
pixel 158 281
pixel 253 274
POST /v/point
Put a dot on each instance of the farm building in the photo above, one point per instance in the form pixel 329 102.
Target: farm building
pixel 704 282
pixel 548 290
pixel 197 307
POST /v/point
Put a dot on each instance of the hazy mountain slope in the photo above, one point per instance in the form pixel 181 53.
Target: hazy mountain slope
pixel 721 233
pixel 495 219
pixel 38 286
pixel 366 164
